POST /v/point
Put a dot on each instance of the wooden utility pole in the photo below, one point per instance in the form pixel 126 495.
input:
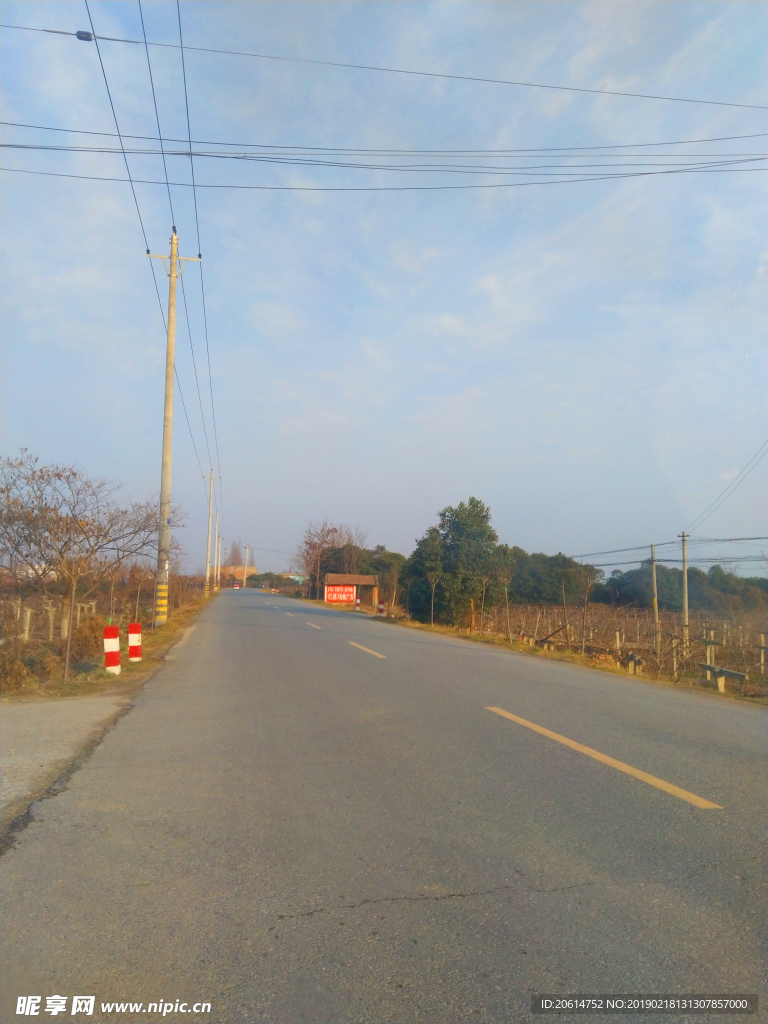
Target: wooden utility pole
pixel 686 634
pixel 164 540
pixel 656 626
pixel 208 545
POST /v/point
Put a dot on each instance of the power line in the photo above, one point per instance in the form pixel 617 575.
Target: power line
pixel 729 490
pixel 421 74
pixel 721 540
pixel 194 365
pixel 157 116
pixel 141 222
pixel 741 559
pixel 400 152
pixel 189 427
pixel 117 127
pixel 667 543
pixel 393 188
pixel 618 161
pixel 173 221
pixel 619 551
pixel 200 256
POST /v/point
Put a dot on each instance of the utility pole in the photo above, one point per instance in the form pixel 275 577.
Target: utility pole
pixel 216 554
pixel 686 635
pixel 245 567
pixel 164 539
pixel 565 619
pixel 656 627
pixel 208 545
pixel 218 564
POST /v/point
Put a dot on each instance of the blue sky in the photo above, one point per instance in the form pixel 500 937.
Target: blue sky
pixel 587 358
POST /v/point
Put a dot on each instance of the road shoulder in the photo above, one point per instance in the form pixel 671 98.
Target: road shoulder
pixel 44 740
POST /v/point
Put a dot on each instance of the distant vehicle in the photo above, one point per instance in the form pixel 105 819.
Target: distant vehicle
pixel 235 586
pixel 275 590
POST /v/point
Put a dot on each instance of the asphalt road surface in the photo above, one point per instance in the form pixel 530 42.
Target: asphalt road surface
pixel 312 816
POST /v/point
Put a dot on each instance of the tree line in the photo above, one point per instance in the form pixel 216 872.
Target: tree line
pixel 716 591
pixel 459 571
pixel 337 548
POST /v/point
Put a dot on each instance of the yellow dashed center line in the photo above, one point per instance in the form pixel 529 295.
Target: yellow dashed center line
pixel 366 649
pixel 682 794
pixel 313 625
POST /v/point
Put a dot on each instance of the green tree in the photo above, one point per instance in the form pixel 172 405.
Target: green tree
pixel 468 542
pixel 422 572
pixel 387 565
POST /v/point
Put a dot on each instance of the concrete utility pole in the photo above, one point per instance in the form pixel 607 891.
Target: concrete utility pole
pixel 245 567
pixel 686 634
pixel 218 564
pixel 208 545
pixel 216 554
pixel 656 626
pixel 164 539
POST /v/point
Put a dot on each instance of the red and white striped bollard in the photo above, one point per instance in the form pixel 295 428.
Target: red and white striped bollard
pixel 112 650
pixel 134 641
pixel 381 607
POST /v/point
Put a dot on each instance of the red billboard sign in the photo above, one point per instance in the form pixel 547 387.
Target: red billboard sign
pixel 343 594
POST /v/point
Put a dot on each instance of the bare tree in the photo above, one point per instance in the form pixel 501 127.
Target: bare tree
pixel 235 556
pixel 317 541
pixel 58 526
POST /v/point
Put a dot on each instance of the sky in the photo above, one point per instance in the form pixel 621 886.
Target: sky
pixel 586 357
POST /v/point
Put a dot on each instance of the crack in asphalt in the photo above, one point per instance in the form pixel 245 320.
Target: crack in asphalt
pixel 62 780
pixel 562 888
pixel 422 898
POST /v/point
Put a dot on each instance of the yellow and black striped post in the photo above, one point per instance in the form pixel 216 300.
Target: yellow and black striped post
pixel 161 604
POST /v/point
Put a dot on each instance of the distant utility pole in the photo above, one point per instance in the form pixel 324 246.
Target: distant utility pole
pixel 656 626
pixel 245 567
pixel 218 564
pixel 565 619
pixel 686 633
pixel 164 540
pixel 208 545
pixel 216 554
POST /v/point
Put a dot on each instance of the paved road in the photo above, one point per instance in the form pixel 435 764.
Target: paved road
pixel 39 738
pixel 296 830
